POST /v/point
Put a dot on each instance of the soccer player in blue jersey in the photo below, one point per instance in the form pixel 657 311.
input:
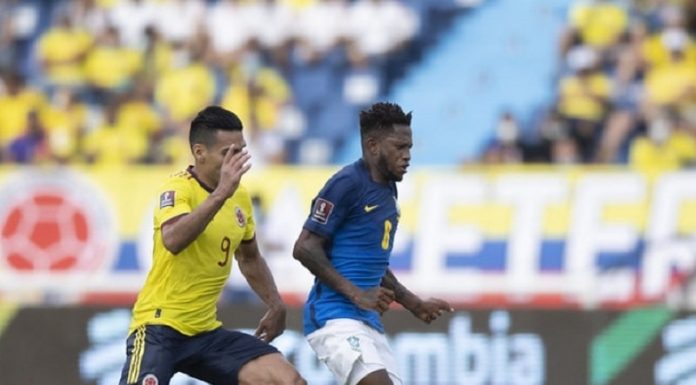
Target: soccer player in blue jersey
pixel 346 243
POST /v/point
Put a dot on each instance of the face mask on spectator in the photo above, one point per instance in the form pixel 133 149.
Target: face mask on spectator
pixel 181 58
pixel 659 130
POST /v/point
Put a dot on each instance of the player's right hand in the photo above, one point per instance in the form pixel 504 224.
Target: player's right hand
pixel 234 165
pixel 377 298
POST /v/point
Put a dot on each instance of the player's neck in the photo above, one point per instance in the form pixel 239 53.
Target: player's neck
pixel 376 175
pixel 203 178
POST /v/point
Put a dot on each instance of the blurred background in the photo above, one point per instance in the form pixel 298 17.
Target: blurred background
pixel 552 197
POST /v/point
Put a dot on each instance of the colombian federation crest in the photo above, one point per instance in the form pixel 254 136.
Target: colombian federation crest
pixel 241 219
pixel 150 379
pixel 53 225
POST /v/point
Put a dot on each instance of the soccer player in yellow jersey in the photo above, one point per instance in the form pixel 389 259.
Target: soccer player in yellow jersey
pixel 203 219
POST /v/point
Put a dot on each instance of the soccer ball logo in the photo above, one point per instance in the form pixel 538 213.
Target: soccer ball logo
pixel 44 232
pixel 53 224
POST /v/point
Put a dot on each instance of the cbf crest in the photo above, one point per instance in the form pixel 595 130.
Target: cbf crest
pixel 241 219
pixel 354 343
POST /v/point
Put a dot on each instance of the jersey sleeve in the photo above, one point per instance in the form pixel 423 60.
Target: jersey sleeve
pixel 331 206
pixel 174 200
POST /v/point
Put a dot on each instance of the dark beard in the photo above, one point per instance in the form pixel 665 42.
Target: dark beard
pixel 383 167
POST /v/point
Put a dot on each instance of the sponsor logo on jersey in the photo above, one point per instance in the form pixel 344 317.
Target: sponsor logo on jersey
pixel 369 208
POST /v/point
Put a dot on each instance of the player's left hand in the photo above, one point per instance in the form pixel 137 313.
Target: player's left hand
pixel 272 324
pixel 430 309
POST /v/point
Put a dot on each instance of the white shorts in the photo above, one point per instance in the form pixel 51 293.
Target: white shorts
pixel 352 350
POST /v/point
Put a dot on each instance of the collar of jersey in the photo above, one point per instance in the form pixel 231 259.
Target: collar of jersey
pixel 200 182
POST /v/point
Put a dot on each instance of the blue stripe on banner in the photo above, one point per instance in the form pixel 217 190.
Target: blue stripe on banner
pixel 127 259
pixel 552 252
pixel 492 257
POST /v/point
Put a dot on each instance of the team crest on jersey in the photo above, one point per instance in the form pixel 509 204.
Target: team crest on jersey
pixel 150 379
pixel 354 343
pixel 241 219
pixel 167 199
pixel 322 210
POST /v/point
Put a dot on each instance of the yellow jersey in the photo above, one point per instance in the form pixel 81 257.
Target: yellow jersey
pixel 578 96
pixel 181 291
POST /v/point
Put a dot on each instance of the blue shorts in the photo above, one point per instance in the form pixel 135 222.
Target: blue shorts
pixel 154 353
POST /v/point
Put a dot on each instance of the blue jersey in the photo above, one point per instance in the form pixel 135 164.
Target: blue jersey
pixel 359 217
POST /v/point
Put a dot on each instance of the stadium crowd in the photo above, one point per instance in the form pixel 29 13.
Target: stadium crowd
pixel 116 81
pixel 626 90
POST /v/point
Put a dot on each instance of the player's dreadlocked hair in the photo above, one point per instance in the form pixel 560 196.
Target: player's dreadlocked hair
pixel 209 120
pixel 382 117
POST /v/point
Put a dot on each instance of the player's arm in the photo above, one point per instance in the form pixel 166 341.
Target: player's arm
pixel 425 310
pixel 309 250
pixel 254 268
pixel 179 232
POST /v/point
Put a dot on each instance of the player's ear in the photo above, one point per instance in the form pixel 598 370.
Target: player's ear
pixel 372 145
pixel 199 150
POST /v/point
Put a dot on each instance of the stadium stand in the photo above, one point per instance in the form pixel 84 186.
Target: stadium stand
pixel 557 81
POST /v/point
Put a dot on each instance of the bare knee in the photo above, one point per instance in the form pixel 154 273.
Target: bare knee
pixel 294 380
pixel 272 369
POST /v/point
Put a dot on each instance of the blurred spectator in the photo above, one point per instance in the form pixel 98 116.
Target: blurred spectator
pixel 657 49
pixel 228 39
pixel 305 65
pixel 110 145
pixel 667 146
pixel 172 146
pixel 672 82
pixel 65 119
pixel 628 82
pixel 30 147
pixel 131 18
pixel 111 67
pixel 61 51
pixel 187 87
pixel 158 58
pixel 506 147
pixel 18 23
pixel 596 23
pixel 91 15
pixel 379 27
pixel 180 20
pixel 321 26
pixel 361 84
pixel 138 118
pixel 583 98
pixel 15 105
pixel 274 23
pixel 555 145
pixel 258 96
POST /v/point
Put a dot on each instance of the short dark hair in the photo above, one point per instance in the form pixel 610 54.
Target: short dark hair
pixel 382 116
pixel 208 121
